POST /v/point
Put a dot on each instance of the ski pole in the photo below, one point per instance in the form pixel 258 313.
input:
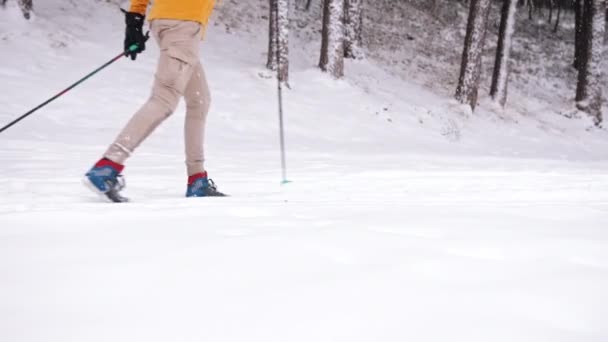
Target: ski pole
pixel 63 92
pixel 280 92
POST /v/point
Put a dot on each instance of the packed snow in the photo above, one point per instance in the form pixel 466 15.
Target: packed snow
pixel 407 219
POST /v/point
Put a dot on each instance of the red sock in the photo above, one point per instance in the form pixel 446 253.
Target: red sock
pixel 107 162
pixel 196 176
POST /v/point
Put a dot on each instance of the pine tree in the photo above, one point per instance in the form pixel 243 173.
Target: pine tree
pixel 353 23
pixel 589 86
pixel 332 44
pixel 500 78
pixel 470 70
pixel 278 38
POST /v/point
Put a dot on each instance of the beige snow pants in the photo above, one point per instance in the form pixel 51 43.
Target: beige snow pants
pixel 179 74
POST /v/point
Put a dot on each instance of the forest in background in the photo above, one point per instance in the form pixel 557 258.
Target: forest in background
pixel 488 32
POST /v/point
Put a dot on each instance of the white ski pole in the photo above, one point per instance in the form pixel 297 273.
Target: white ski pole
pixel 280 92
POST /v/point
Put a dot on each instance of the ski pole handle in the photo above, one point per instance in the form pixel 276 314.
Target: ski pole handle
pixel 135 46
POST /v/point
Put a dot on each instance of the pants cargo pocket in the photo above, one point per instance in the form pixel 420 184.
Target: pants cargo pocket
pixel 174 70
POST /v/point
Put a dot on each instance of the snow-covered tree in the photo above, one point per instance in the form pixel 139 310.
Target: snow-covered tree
pixel 500 78
pixel 332 44
pixel 589 87
pixel 353 25
pixel 470 70
pixel 278 38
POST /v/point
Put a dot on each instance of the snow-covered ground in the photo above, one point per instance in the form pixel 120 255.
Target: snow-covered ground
pixel 407 219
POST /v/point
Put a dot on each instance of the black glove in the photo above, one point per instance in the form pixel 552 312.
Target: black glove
pixel 134 34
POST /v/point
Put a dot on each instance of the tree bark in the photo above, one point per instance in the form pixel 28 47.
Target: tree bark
pixel 589 86
pixel 278 39
pixel 500 78
pixel 332 44
pixel 353 24
pixel 470 70
pixel 579 32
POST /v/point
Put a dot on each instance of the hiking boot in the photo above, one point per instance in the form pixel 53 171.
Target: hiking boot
pixel 199 185
pixel 105 179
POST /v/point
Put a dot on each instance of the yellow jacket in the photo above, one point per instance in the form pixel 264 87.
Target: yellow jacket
pixel 191 10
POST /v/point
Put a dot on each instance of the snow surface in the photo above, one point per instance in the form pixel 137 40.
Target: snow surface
pixel 407 219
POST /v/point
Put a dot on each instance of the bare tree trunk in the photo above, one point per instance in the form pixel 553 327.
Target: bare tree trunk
pixel 589 86
pixel 579 32
pixel 332 44
pixel 308 3
pixel 500 78
pixel 559 16
pixel 550 11
pixel 470 70
pixel 353 24
pixel 278 39
pixel 26 7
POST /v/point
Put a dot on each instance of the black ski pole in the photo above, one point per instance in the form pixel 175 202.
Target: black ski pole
pixel 63 92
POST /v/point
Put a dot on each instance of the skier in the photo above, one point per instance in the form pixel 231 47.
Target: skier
pixel 178 27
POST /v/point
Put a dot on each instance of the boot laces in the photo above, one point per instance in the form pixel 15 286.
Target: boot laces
pixel 117 184
pixel 212 185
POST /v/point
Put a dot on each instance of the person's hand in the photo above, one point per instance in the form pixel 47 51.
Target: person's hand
pixel 134 34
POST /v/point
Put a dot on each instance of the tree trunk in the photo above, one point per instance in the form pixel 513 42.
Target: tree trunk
pixel 308 3
pixel 26 7
pixel 559 16
pixel 332 44
pixel 500 78
pixel 353 24
pixel 579 32
pixel 470 70
pixel 278 39
pixel 550 11
pixel 589 87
